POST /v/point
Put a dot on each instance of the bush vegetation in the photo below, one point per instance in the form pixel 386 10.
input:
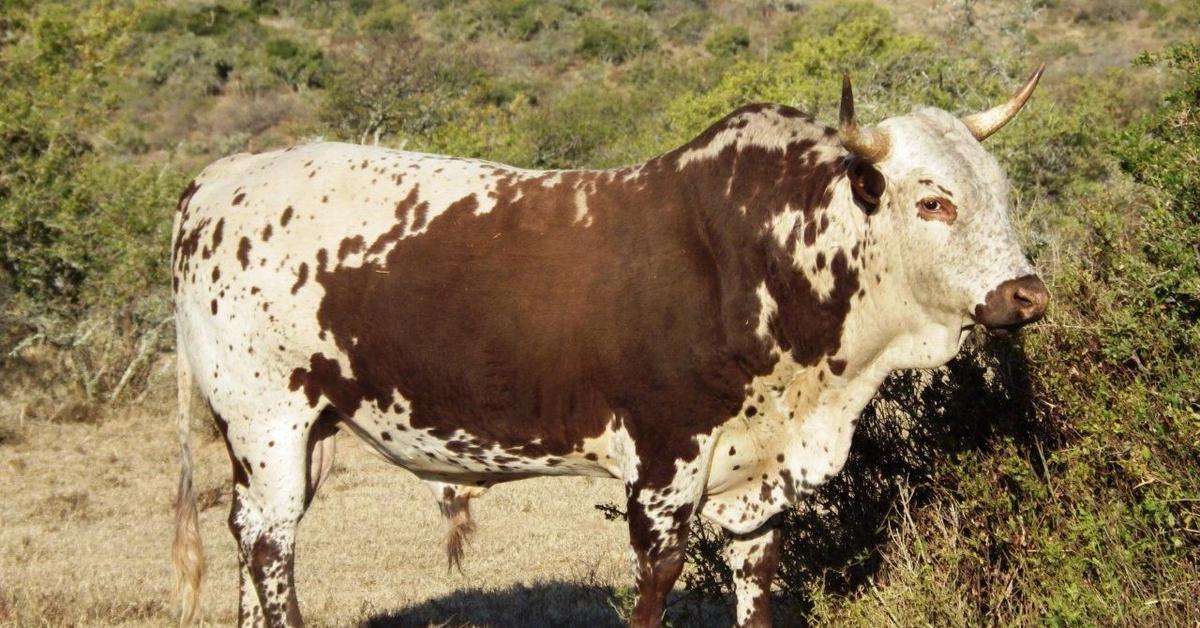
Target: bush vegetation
pixel 1051 479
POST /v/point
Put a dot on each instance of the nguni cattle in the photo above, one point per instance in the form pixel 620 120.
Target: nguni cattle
pixel 705 326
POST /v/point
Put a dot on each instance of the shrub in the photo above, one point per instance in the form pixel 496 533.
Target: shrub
pixel 214 19
pixel 395 20
pixel 519 20
pixel 727 41
pixel 574 129
pixel 398 88
pixel 614 42
pixel 298 65
pixel 73 226
pixel 689 27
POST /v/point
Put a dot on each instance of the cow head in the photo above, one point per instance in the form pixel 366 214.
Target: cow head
pixel 942 202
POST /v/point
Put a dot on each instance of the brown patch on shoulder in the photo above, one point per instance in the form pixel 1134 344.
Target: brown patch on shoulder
pixel 805 324
pixel 286 217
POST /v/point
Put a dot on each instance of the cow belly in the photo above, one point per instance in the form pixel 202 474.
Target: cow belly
pixel 458 457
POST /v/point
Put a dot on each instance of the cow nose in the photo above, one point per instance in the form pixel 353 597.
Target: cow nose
pixel 1013 304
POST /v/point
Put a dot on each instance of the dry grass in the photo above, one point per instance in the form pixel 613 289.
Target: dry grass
pixel 86 520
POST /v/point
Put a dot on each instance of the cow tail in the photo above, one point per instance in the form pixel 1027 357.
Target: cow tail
pixel 187 552
pixel 456 508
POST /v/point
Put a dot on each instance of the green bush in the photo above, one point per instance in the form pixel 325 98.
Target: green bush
pixel 573 130
pixel 728 41
pixel 689 27
pixel 298 65
pixel 399 89
pixel 613 41
pixel 858 38
pixel 519 20
pixel 215 19
pixel 74 228
pixel 394 19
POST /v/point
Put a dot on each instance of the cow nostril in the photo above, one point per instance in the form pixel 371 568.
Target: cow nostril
pixel 1024 298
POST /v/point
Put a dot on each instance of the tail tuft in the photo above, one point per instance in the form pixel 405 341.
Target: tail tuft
pixel 187 551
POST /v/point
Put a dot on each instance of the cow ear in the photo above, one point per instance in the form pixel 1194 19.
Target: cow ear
pixel 866 182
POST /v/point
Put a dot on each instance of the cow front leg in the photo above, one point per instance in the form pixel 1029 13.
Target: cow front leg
pixel 658 540
pixel 754 558
pixel 660 509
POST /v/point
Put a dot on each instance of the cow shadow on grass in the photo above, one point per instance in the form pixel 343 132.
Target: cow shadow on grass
pixel 548 605
pixel 542 604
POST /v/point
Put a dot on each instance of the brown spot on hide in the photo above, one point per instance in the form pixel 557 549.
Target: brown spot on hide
pixel 837 367
pixel 243 252
pixel 301 277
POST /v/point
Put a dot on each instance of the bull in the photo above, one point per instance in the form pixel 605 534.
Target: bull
pixel 705 326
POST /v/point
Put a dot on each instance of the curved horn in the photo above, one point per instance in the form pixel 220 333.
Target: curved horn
pixel 985 123
pixel 869 144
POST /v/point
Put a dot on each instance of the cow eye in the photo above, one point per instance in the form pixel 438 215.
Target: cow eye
pixel 931 205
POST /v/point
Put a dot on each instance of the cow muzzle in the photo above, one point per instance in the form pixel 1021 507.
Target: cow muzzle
pixel 1012 305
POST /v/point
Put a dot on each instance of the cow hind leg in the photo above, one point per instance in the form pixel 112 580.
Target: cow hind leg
pixel 273 484
pixel 754 558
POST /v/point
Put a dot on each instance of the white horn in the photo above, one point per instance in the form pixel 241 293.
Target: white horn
pixel 985 123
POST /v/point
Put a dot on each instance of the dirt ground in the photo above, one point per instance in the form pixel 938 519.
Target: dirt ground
pixel 85 525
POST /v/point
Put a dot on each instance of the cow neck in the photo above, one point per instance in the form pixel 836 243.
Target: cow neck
pixel 794 248
pixel 762 184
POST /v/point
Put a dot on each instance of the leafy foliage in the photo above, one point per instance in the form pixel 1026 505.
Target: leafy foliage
pixel 74 225
pixel 614 42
